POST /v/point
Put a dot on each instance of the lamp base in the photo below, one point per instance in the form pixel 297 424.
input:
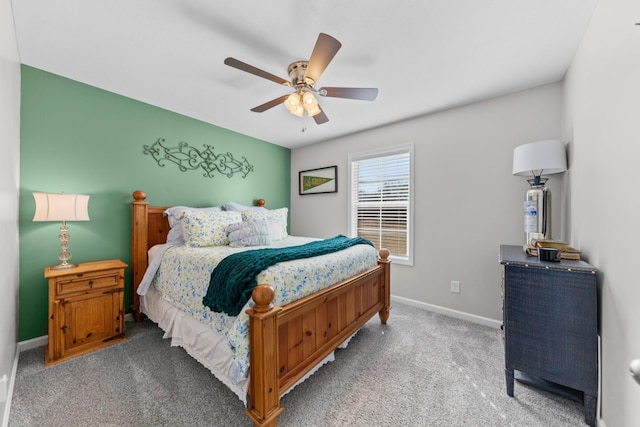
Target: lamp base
pixel 537 211
pixel 64 266
pixel 64 254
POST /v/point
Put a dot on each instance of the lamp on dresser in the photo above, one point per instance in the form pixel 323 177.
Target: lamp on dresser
pixel 60 207
pixel 535 159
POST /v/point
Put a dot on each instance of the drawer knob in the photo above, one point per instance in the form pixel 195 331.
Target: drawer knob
pixel 91 283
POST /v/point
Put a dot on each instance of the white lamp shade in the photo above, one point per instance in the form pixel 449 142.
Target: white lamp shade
pixel 538 158
pixel 61 207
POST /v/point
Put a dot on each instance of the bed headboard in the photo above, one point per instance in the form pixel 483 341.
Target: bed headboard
pixel 149 227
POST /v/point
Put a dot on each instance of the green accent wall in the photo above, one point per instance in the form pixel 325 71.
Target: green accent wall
pixel 77 138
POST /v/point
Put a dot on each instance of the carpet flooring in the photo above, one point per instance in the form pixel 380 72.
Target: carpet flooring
pixel 422 369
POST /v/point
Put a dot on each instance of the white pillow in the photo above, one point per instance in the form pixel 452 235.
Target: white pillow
pixel 276 221
pixel 232 206
pixel 249 233
pixel 207 228
pixel 173 214
pixel 277 229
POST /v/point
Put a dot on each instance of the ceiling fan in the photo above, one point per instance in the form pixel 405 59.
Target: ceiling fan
pixel 304 75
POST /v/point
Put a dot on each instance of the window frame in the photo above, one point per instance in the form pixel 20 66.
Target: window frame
pixel 383 152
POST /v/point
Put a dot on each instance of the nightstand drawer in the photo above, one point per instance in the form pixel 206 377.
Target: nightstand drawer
pixel 88 282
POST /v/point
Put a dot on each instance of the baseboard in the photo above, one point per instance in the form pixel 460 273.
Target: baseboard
pixel 449 312
pixel 12 380
pixel 33 343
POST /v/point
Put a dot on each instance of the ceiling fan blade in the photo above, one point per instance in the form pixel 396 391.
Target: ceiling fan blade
pixel 321 117
pixel 235 63
pixel 325 49
pixel 362 93
pixel 270 104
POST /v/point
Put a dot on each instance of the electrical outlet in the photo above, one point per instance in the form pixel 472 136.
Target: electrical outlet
pixel 455 286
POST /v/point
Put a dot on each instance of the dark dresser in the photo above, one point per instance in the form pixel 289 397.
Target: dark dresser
pixel 550 315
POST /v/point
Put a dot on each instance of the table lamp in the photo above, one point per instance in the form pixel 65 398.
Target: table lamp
pixel 535 159
pixel 61 207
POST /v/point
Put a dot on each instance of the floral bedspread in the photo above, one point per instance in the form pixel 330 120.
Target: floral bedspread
pixel 184 274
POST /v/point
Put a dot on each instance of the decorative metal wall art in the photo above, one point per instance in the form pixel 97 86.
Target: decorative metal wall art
pixel 190 158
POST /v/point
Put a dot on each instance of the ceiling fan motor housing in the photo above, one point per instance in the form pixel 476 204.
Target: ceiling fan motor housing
pixel 296 74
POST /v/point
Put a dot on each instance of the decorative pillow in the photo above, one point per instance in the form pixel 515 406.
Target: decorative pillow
pixel 232 206
pixel 277 229
pixel 173 214
pixel 276 221
pixel 207 228
pixel 249 233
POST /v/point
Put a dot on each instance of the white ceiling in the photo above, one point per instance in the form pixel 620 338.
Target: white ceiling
pixel 423 56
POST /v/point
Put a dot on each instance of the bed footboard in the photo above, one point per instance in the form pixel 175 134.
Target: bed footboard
pixel 287 342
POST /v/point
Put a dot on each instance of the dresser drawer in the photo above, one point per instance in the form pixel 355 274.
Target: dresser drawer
pixel 88 282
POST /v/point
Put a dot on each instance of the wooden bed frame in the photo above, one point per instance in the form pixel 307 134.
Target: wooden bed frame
pixel 285 342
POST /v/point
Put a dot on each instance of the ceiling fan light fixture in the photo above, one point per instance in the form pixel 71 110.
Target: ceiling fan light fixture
pixel 298 111
pixel 309 99
pixel 293 102
pixel 310 104
pixel 312 111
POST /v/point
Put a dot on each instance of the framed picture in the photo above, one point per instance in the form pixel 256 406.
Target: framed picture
pixel 321 180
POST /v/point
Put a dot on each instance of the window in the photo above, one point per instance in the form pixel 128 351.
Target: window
pixel 381 199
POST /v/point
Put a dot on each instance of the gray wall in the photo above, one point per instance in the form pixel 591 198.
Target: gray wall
pixel 602 126
pixel 9 173
pixel 467 202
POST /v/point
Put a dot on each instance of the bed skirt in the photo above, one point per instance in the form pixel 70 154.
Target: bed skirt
pixel 201 342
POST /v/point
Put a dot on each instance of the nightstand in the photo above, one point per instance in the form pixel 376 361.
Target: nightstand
pixel 86 308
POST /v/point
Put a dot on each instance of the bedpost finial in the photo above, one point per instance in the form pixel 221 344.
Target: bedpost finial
pixel 263 297
pixel 139 195
pixel 384 253
pixel 261 203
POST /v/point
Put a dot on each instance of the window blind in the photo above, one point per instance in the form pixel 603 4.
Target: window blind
pixel 381 199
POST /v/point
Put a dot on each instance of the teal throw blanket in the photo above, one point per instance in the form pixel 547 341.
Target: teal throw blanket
pixel 233 280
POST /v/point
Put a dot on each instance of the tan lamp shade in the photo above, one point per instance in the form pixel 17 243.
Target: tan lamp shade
pixel 61 207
